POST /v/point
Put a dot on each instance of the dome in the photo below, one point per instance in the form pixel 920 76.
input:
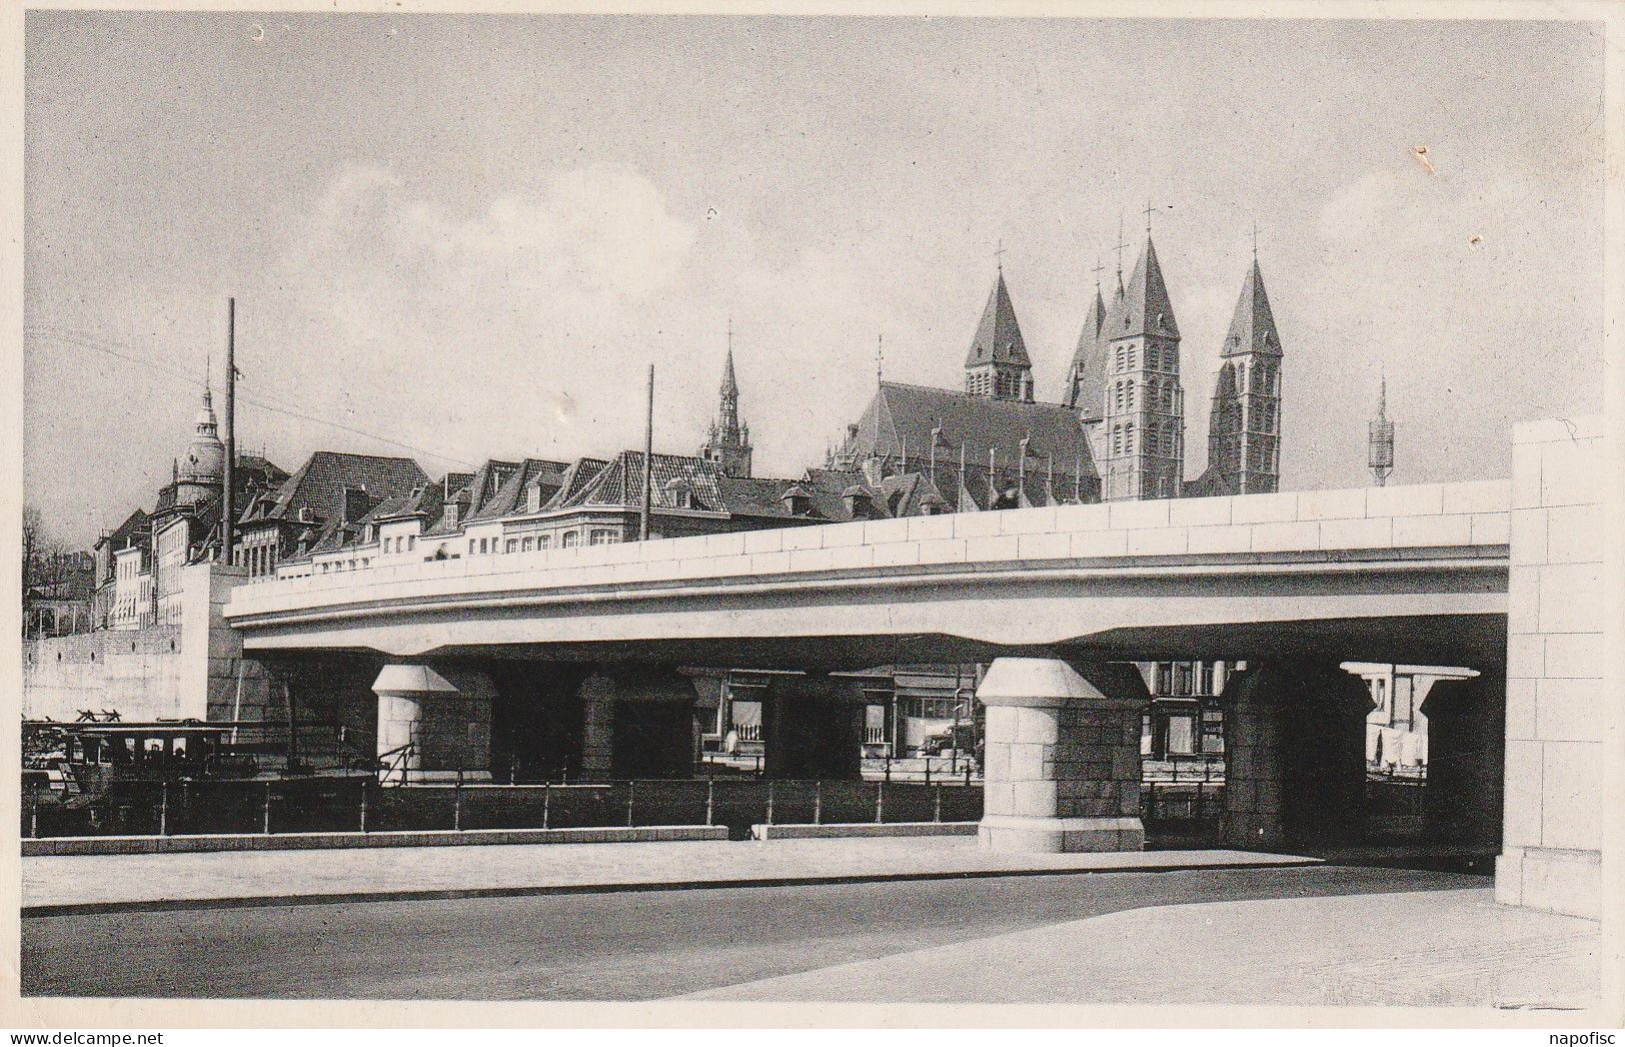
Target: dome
pixel 205 457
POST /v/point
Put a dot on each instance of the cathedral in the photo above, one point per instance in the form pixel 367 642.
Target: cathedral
pixel 1118 430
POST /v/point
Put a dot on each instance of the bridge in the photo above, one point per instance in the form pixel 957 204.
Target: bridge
pixel 1503 577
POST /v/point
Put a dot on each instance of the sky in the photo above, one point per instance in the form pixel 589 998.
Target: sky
pixel 464 237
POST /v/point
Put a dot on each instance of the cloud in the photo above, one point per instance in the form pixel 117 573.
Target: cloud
pixel 389 267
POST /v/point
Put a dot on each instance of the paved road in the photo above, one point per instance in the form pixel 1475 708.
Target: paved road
pixel 620 946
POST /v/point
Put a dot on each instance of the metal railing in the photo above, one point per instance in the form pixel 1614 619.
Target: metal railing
pixel 363 804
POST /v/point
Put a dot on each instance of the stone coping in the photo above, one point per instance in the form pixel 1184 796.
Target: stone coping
pixel 1361 522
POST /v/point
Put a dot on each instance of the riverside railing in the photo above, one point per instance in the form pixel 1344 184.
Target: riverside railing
pixel 362 804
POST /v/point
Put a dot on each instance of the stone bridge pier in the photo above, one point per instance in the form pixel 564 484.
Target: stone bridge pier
pixel 1294 741
pixel 813 727
pixel 1062 756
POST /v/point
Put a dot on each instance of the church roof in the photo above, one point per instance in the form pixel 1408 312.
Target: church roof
pixel 998 336
pixel 1252 329
pixel 1086 384
pixel 902 417
pixel 1143 307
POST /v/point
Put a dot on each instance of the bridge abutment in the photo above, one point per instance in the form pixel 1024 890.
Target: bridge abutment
pixel 1558 705
pixel 813 728
pixel 1062 756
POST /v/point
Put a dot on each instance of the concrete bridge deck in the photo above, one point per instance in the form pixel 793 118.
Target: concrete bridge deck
pixel 1111 576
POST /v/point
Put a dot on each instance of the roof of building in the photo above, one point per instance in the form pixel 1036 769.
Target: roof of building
pixel 125 532
pixel 320 484
pixel 510 497
pixel 1252 329
pixel 903 418
pixel 998 336
pixel 1143 307
pixel 619 485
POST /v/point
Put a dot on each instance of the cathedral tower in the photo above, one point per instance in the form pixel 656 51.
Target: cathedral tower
pixel 1143 424
pixel 1086 376
pixel 997 366
pixel 728 443
pixel 1244 431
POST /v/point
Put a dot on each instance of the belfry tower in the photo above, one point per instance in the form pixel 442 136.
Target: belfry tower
pixel 728 443
pixel 1143 429
pixel 1244 430
pixel 997 366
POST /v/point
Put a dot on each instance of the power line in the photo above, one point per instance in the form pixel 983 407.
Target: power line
pixel 96 344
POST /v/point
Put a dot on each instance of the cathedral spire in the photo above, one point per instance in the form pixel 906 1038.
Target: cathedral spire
pixel 997 364
pixel 1144 307
pixel 1252 328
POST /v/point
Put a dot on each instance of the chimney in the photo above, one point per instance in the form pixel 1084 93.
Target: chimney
pixel 355 504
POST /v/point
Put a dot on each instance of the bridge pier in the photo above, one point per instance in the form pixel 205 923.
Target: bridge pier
pixel 638 723
pixel 1466 755
pixel 1294 756
pixel 447 727
pixel 813 728
pixel 1062 755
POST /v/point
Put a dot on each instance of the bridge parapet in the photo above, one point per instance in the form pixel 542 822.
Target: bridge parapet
pixel 1317 525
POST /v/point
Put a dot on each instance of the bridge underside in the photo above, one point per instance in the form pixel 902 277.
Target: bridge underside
pixel 1470 640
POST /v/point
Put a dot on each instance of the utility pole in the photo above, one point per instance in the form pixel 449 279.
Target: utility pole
pixel 228 490
pixel 648 458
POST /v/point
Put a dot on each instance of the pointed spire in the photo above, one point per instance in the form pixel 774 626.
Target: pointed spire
pixel 730 387
pixel 208 382
pixel 1144 307
pixel 998 336
pixel 1252 329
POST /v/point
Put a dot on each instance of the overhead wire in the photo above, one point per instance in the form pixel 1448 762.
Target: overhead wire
pixel 111 348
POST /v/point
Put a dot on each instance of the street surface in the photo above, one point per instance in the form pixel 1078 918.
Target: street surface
pixel 636 945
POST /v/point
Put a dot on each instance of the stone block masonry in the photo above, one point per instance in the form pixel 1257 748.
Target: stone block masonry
pixel 1558 706
pixel 1063 756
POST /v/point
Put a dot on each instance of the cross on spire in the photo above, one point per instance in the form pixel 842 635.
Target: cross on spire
pixel 1255 240
pixel 998 255
pixel 1097 271
pixel 880 358
pixel 1120 246
pixel 1149 211
pixel 730 333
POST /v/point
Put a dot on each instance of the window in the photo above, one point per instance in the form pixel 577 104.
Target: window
pixel 513 545
pixel 603 536
pixel 526 544
pixel 1153 359
pixel 1212 730
pixel 411 541
pixel 1131 394
pixel 471 547
pixel 544 541
pixel 572 539
pixel 1122 358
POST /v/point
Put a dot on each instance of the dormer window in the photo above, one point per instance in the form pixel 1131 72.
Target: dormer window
pixel 796 501
pixel 533 498
pixel 679 493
